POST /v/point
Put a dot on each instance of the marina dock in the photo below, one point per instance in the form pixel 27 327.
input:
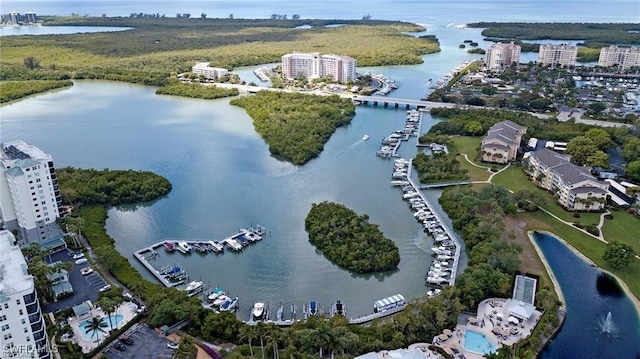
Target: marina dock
pixel 390 144
pixel 236 242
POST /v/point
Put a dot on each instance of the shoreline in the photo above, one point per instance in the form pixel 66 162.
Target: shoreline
pixel 625 288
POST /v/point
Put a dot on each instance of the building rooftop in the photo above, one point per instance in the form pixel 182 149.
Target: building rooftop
pixel 505 131
pixel 572 174
pixel 14 277
pixel 588 190
pixel 550 158
pixel 20 150
pixel 524 289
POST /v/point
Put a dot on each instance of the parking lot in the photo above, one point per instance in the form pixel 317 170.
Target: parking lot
pixel 84 287
pixel 146 344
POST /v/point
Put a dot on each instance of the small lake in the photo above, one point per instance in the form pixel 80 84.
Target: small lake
pixel 590 295
pixel 56 30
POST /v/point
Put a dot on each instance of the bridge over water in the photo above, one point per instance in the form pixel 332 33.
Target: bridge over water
pixel 400 102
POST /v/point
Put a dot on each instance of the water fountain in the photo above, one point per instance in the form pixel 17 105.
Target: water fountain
pixel 606 326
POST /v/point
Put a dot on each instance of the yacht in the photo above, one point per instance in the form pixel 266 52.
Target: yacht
pixel 194 288
pixel 216 246
pixel 258 311
pixel 184 247
pixel 214 294
pixel 169 246
pixel 220 300
pixel 365 137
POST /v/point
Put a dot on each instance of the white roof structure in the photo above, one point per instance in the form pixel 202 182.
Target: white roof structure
pixel 519 309
pixel 398 298
pixel 524 289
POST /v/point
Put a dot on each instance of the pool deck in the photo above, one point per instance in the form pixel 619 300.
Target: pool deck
pixel 126 309
pixel 486 321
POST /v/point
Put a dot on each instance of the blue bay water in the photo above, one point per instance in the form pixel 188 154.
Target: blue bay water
pixel 223 175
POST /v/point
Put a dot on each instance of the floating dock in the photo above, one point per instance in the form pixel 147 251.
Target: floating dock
pixel 237 241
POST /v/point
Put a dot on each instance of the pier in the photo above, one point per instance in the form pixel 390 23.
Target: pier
pixel 444 184
pixel 236 242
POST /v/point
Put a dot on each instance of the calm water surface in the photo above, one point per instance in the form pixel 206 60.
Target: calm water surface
pixel 224 177
pixel 590 295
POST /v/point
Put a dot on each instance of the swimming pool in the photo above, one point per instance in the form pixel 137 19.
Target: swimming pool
pixel 116 319
pixel 478 343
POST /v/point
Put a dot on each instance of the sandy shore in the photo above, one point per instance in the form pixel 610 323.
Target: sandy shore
pixel 556 285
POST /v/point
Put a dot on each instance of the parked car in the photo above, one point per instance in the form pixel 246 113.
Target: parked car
pixel 87 270
pixel 78 255
pixel 126 340
pixel 81 261
pixel 105 288
pixel 172 345
pixel 120 346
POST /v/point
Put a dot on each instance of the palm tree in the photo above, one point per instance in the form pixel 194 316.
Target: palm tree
pixel 186 349
pixel 75 225
pixel 323 336
pixel 273 337
pixel 108 306
pixel 95 326
pixel 261 331
pixel 247 333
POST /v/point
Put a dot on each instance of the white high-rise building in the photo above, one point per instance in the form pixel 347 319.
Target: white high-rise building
pixel 29 196
pixel 500 55
pixel 316 65
pixel 623 57
pixel 22 329
pixel 563 55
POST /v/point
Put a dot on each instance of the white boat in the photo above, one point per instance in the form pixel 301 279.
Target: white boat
pixel 216 246
pixel 229 305
pixel 220 300
pixel 213 295
pixel 184 246
pixel 233 244
pixel 399 183
pixel 258 311
pixel 194 288
pixel 365 137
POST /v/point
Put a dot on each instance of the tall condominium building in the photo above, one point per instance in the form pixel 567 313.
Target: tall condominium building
pixel 29 197
pixel 30 18
pixel 22 329
pixel 14 17
pixel 315 65
pixel 623 57
pixel 500 55
pixel 208 72
pixel 554 55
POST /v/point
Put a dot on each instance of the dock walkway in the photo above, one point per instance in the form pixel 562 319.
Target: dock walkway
pixel 236 242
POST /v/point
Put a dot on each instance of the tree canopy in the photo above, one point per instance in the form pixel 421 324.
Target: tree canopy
pixel 296 126
pixel 349 240
pixel 618 255
pixel 90 186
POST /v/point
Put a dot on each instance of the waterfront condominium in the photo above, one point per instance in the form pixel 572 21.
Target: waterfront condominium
pixel 22 329
pixel 501 55
pixel 623 57
pixel 208 72
pixel 557 55
pixel 29 196
pixel 316 65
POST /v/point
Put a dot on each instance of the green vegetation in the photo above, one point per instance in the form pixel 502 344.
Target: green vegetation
pixel 439 167
pixel 349 240
pixel 90 186
pixel 296 126
pixel 13 90
pixel 160 47
pixel 477 51
pixel 196 90
pixel 618 255
pixel 623 227
pixel 594 35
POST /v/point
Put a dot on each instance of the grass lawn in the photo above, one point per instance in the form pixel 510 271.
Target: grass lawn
pixel 475 173
pixel 623 228
pixel 589 247
pixel 514 179
pixel 468 145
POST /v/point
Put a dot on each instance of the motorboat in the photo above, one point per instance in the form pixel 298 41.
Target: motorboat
pixel 184 247
pixel 258 311
pixel 214 294
pixel 313 308
pixel 233 244
pixel 216 246
pixel 365 137
pixel 229 305
pixel 194 287
pixel 220 300
pixel 399 183
pixel 339 308
pixel 169 246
